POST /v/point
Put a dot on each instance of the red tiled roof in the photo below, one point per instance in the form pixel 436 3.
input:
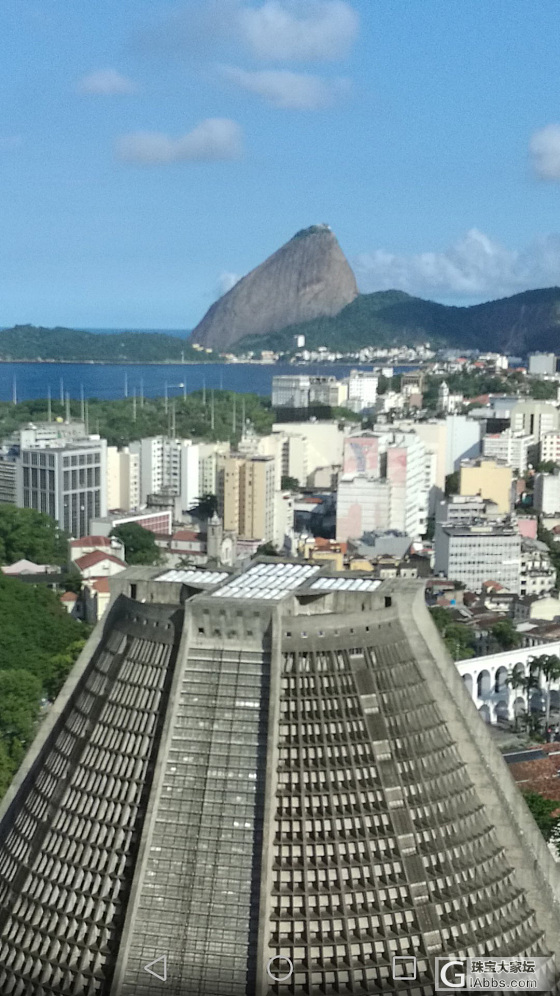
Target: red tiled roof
pixel 101 585
pixel 69 596
pixel 187 534
pixel 91 541
pixel 539 775
pixel 96 557
pixel 333 545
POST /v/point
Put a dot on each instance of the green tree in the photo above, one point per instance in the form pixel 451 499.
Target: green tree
pixel 289 483
pixel 505 634
pixel 458 638
pixel 139 544
pixel 27 534
pixel 7 769
pixel 542 811
pixel 60 666
pixel 526 682
pixel 452 483
pixel 205 506
pixel 20 697
pixel 266 550
pixel 546 666
pixel 39 644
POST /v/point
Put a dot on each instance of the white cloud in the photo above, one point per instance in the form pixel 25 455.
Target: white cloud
pixel 544 149
pixel 282 88
pixel 226 281
pixel 106 83
pixel 475 266
pixel 270 30
pixel 212 140
pixel 9 142
pixel 298 30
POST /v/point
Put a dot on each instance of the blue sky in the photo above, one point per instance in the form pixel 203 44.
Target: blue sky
pixel 151 153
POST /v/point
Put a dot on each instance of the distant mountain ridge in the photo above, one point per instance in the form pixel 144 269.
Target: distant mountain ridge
pixel 513 325
pixel 307 278
pixel 30 342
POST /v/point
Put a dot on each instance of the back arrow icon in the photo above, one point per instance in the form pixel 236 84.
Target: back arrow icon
pixel 149 968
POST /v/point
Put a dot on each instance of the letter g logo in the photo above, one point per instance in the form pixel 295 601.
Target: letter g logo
pixel 448 975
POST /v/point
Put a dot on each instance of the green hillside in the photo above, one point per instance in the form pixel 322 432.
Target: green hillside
pixel 29 342
pixel 515 325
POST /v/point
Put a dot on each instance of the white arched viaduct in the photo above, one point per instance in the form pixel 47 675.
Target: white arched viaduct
pixel 486 680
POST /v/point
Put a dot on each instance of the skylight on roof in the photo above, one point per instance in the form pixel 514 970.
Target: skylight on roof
pixel 345 584
pixel 203 579
pixel 267 581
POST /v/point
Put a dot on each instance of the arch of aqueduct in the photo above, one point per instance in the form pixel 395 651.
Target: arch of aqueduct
pixel 486 680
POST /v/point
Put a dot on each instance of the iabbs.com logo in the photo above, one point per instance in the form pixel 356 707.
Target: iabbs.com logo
pixel 491 974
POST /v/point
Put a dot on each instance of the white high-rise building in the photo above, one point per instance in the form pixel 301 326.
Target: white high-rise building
pixel 473 553
pixel 542 364
pixel 291 391
pixel 550 446
pixel 463 441
pixel 208 460
pixel 546 493
pixel 168 463
pixel 517 449
pixel 123 479
pixel 384 485
pixel 534 418
pixel 362 390
pixel 433 434
pixel 307 446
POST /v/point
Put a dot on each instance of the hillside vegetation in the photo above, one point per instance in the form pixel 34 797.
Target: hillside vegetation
pixel 514 325
pixel 30 342
pixel 40 643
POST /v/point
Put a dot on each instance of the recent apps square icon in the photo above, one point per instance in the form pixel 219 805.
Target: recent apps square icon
pixel 404 967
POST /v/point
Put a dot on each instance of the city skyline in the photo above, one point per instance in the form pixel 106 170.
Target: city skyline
pixel 150 157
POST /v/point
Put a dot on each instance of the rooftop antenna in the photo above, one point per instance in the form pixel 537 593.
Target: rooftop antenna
pixel 82 404
pixel 126 384
pixel 134 406
pixel 67 407
pixel 14 390
pixel 234 418
pixel 166 403
pixel 141 392
pixel 204 391
pixel 212 409
pixel 173 420
pixel 243 416
pixel 87 418
pixel 61 391
pixel 49 405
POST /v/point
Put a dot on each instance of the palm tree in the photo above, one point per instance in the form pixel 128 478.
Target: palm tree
pixel 527 683
pixel 547 665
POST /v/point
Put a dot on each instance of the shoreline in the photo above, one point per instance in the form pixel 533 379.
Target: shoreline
pixel 344 361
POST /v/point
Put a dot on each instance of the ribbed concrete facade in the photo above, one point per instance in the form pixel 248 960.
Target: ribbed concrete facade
pixel 283 762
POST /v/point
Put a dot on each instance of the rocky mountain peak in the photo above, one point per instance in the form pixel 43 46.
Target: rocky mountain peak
pixel 308 277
